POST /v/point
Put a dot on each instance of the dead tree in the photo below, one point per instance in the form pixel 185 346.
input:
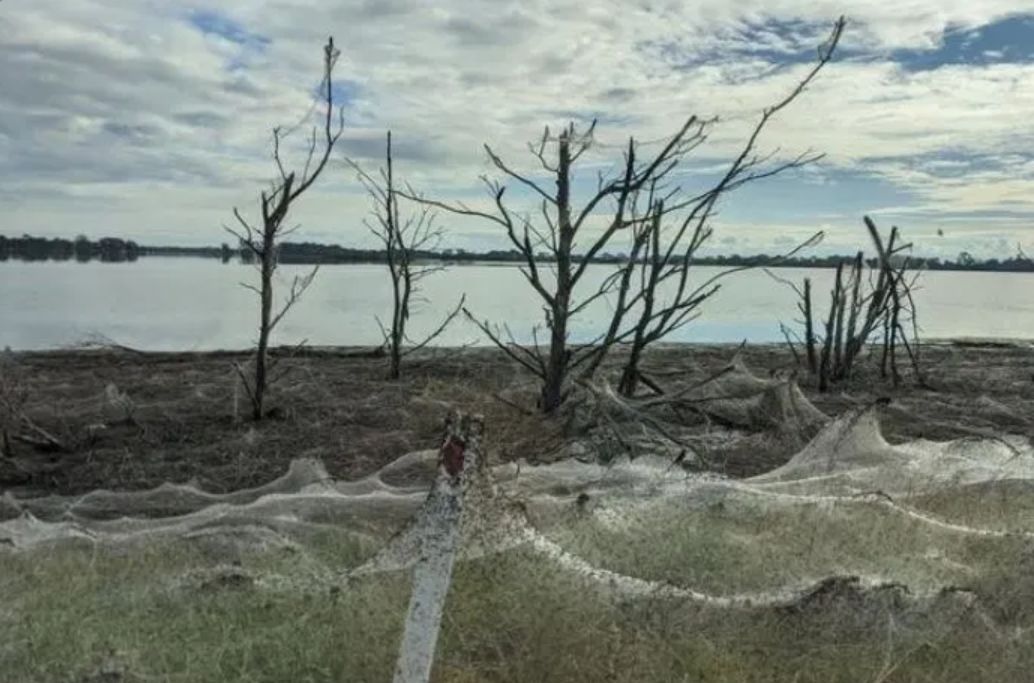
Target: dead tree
pixel 807 320
pixel 869 300
pixel 403 240
pixel 563 223
pixel 664 259
pixel 261 241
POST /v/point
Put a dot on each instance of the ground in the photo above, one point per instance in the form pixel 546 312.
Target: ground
pixel 917 570
pixel 130 420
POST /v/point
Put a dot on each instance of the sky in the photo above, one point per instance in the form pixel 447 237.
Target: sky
pixel 151 120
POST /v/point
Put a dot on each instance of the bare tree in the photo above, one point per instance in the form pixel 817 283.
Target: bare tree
pixel 262 240
pixel 641 183
pixel 403 240
pixel 564 223
pixel 899 279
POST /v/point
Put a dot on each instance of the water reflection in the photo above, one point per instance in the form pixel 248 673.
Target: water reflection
pixel 190 303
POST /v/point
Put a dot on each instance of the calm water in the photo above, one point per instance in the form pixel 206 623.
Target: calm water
pixel 179 304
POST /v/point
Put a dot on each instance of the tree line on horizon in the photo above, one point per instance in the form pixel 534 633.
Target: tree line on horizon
pixel 117 250
pixel 107 249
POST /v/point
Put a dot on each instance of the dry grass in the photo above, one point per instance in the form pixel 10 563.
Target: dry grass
pixel 183 424
pixel 148 616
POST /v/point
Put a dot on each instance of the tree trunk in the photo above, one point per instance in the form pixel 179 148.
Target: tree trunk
pixel 261 353
pixel 809 329
pixel 894 328
pixel 556 368
pixel 553 386
pixel 399 267
pixel 630 375
pixel 398 320
pixel 840 302
pixel 825 363
pixel 395 371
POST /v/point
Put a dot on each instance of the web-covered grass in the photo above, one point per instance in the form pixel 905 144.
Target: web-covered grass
pixel 857 560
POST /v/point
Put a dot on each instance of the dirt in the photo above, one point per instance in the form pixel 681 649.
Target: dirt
pixel 130 420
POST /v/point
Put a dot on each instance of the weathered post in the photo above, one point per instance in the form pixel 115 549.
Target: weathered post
pixel 459 458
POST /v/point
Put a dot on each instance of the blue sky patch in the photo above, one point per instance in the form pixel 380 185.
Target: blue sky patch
pixel 344 91
pixel 1008 40
pixel 218 24
pixel 782 42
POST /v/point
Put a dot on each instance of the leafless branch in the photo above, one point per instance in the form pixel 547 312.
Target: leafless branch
pixel 438 330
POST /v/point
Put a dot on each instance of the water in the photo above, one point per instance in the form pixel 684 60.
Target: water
pixel 197 304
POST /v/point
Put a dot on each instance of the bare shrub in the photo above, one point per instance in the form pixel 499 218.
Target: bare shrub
pixel 654 311
pixel 870 300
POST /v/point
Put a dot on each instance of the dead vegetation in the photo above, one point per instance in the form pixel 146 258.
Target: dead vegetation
pixel 260 242
pixel 338 406
pixel 16 426
pixel 802 589
pixel 871 302
pixel 13 395
pixel 639 202
pixel 403 238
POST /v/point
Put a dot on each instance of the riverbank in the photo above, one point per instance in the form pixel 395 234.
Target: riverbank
pixel 128 420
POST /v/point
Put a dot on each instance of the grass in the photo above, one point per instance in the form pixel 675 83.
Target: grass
pixel 197 611
pixel 161 612
pixel 507 621
pixel 164 613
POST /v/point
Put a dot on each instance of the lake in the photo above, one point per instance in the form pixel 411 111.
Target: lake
pixel 197 304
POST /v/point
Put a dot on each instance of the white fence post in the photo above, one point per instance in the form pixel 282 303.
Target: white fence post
pixel 458 458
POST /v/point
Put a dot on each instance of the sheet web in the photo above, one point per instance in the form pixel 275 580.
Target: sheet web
pixel 532 568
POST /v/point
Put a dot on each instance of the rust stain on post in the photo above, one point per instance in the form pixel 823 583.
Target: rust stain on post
pixel 452 455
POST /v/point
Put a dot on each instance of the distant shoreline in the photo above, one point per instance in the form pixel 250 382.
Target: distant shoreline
pixel 358 351
pixel 117 250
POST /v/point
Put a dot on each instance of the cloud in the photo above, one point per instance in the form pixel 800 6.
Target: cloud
pixel 153 119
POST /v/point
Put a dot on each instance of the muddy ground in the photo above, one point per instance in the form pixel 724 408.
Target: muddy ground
pixel 131 420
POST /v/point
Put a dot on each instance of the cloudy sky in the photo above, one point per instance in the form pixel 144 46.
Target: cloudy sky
pixel 151 119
